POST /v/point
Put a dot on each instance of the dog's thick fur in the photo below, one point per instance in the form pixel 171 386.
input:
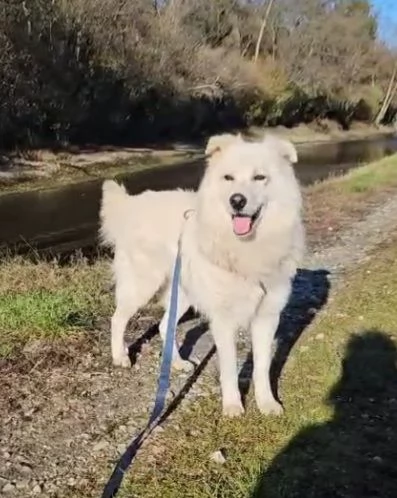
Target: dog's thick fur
pixel 237 266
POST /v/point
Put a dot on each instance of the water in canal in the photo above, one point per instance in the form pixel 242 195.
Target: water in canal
pixel 66 218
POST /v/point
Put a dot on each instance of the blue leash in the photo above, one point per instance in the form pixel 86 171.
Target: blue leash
pixel 113 485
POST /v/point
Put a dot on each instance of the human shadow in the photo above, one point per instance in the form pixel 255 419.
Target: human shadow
pixel 309 294
pixel 355 454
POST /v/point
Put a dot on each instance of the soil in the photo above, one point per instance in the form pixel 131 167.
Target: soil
pixel 66 414
pixel 44 168
pixel 39 168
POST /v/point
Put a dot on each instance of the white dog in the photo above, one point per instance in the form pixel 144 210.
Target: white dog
pixel 240 247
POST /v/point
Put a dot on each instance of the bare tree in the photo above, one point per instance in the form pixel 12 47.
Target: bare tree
pixel 390 94
pixel 262 29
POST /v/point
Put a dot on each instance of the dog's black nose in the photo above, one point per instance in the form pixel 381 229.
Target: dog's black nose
pixel 238 201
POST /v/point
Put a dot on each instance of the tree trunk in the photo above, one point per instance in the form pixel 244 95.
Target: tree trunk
pixel 274 43
pixel 262 30
pixel 391 91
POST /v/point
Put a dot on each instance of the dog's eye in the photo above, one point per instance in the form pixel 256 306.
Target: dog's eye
pixel 228 178
pixel 259 178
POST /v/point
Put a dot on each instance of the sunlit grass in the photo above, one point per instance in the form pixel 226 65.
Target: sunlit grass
pixel 48 300
pixel 336 421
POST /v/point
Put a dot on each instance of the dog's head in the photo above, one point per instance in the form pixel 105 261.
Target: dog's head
pixel 243 179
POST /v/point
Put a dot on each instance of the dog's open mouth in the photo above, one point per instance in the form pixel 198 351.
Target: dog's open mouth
pixel 244 223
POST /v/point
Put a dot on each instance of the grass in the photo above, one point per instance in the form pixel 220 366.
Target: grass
pixel 367 178
pixel 337 437
pixel 333 204
pixel 45 300
pixel 371 177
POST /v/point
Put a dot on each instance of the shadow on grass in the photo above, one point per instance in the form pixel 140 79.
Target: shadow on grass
pixel 355 454
pixel 192 337
pixel 309 294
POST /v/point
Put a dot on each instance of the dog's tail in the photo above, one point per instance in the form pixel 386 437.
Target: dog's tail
pixel 113 197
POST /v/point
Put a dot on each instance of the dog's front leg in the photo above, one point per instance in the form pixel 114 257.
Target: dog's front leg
pixel 263 330
pixel 225 339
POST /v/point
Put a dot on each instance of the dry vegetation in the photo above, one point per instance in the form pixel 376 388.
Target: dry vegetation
pixel 107 70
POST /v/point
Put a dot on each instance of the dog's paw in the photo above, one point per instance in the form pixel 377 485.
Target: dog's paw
pixel 182 365
pixel 122 361
pixel 232 410
pixel 270 407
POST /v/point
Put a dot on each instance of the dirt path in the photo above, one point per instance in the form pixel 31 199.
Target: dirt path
pixel 66 414
pixel 354 244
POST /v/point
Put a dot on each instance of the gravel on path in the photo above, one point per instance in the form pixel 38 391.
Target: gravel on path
pixel 66 415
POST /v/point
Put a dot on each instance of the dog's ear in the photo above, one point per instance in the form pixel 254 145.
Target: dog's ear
pixel 217 143
pixel 284 147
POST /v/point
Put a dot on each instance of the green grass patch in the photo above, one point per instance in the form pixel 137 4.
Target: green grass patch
pixel 332 205
pixel 338 436
pixel 47 300
pixel 363 179
pixel 379 174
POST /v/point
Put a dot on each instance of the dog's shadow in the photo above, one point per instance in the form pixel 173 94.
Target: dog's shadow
pixel 191 338
pixel 135 348
pixel 309 294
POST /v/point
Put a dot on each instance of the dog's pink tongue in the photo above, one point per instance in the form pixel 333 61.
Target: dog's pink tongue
pixel 241 225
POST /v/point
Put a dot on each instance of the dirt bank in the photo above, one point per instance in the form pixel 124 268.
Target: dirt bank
pixel 43 168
